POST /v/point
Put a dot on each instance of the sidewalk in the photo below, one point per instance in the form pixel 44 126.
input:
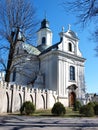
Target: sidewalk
pixel 47 123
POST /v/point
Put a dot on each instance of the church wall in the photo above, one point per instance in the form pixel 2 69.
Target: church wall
pixel 81 83
pixel 13 96
pixel 5 100
pixel 70 58
pixel 49 39
pixel 79 79
pixel 51 98
pixel 40 99
pixel 63 80
pixel 49 68
pixel 26 67
pixel 45 69
pixel 67 75
pixel 19 100
pixel 64 101
pixel 53 75
pixel 64 75
pixel 57 68
pixel 64 46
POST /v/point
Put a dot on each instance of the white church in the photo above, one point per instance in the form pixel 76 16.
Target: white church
pixel 57 67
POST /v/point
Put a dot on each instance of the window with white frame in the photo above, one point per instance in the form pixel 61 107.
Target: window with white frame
pixel 72 73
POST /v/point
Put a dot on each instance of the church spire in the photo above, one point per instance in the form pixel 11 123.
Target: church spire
pixel 45 34
pixel 44 23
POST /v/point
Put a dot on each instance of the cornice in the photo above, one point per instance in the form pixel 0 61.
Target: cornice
pixel 64 54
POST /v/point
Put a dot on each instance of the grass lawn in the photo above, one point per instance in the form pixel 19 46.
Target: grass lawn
pixel 69 113
pixel 47 113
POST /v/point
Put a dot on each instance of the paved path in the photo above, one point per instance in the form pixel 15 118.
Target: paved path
pixel 45 123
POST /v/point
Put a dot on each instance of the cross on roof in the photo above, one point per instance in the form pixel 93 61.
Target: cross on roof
pixel 69 26
pixel 63 29
pixel 45 14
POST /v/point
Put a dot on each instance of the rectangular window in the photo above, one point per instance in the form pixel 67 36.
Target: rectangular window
pixel 72 73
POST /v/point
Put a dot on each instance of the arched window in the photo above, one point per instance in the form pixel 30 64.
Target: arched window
pixel 70 47
pixel 72 73
pixel 14 75
pixel 43 40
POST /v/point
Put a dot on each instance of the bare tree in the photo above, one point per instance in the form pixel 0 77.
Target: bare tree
pixel 86 11
pixel 15 15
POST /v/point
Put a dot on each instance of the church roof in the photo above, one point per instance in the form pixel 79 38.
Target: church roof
pixel 55 46
pixel 42 47
pixel 44 23
pixel 31 49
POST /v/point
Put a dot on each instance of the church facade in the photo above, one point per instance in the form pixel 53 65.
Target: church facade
pixel 57 67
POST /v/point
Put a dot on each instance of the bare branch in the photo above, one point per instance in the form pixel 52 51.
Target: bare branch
pixel 4 47
pixel 16 14
pixel 84 9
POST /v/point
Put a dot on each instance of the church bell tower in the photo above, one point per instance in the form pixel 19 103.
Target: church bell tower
pixel 44 34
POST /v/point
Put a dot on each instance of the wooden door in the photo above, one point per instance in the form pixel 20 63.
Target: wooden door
pixel 72 98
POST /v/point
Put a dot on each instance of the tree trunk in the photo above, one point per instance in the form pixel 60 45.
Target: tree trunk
pixel 10 56
pixel 9 63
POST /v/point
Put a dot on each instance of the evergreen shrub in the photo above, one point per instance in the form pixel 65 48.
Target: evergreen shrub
pixel 58 109
pixel 91 104
pixel 96 109
pixel 27 108
pixel 87 110
pixel 77 105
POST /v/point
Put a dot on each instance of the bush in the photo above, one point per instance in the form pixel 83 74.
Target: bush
pixel 58 109
pixel 96 109
pixel 91 104
pixel 77 106
pixel 27 108
pixel 87 110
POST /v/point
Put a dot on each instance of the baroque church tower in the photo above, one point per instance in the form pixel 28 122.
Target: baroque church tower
pixel 44 35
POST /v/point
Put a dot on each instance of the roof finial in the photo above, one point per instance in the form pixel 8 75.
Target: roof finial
pixel 63 29
pixel 45 14
pixel 69 26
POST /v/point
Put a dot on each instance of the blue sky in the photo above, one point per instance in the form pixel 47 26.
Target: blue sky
pixel 58 18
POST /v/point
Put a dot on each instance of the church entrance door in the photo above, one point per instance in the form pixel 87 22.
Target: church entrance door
pixel 72 98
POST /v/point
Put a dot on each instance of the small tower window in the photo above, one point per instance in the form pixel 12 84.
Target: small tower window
pixel 70 47
pixel 43 40
pixel 72 73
